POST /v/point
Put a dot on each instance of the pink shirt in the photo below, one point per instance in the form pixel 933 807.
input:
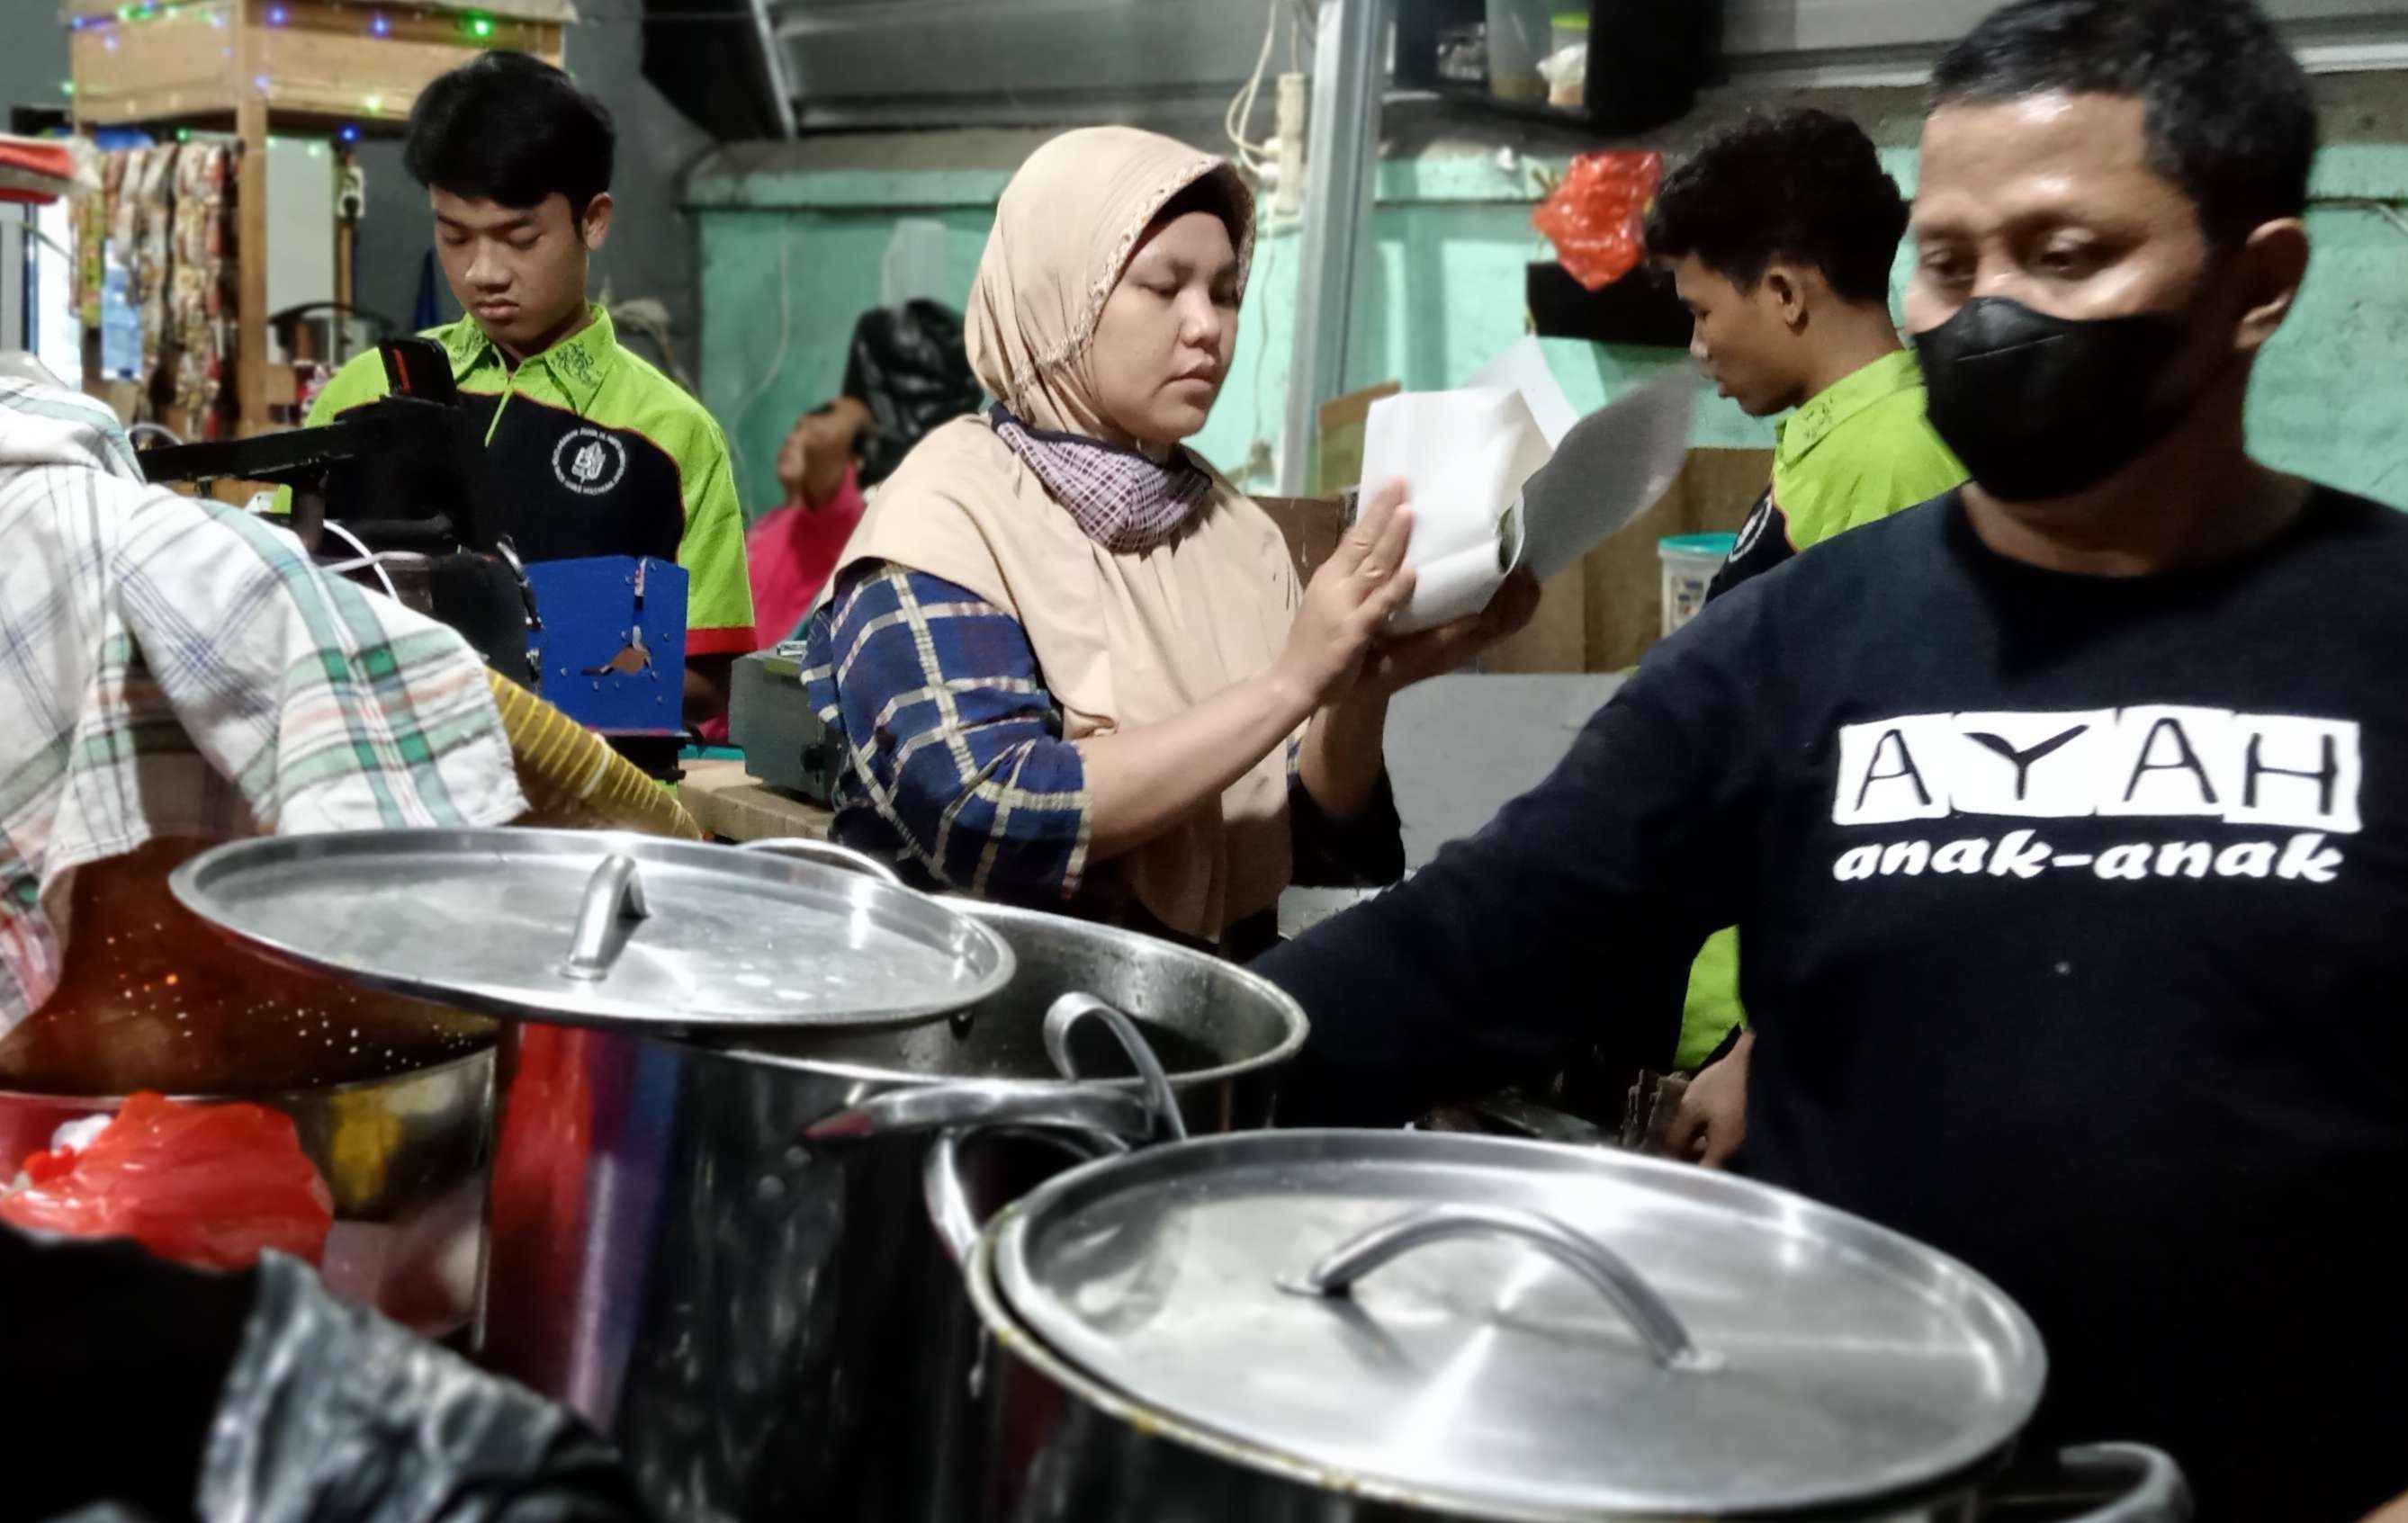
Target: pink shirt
pixel 791 553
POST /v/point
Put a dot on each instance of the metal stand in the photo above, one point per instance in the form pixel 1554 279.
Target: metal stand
pixel 1342 163
pixel 773 60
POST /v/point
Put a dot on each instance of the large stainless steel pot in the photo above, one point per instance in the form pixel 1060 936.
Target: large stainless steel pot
pixel 1386 1326
pixel 406 1157
pixel 764 1320
pixel 707 1222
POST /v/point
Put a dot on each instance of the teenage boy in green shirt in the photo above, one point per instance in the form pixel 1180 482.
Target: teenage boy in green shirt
pixel 1780 235
pixel 594 451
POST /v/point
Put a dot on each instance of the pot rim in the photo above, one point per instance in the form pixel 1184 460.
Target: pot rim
pixel 1023 1344
pixel 731 1047
pixel 983 1286
pixel 484 1052
pixel 198 882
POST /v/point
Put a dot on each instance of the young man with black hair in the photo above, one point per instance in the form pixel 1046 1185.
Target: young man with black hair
pixel 1780 234
pixel 2064 818
pixel 595 453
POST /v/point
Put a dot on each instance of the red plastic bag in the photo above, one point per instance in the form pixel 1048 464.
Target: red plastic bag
pixel 1597 217
pixel 205 1185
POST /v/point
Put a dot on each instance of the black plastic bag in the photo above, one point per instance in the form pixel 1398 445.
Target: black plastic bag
pixel 908 366
pixel 115 1359
pixel 170 1394
pixel 333 1415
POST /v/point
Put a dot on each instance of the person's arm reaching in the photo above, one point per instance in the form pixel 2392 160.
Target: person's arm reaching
pixel 1581 904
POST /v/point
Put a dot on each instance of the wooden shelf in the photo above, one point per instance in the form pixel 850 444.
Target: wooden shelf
pixel 299 66
pixel 191 59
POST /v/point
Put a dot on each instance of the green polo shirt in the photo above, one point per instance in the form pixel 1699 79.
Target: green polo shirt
pixel 1857 452
pixel 595 452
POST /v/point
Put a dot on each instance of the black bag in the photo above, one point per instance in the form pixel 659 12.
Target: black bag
pixel 162 1393
pixel 908 366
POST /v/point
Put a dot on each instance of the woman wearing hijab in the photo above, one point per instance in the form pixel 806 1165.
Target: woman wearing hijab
pixel 1067 663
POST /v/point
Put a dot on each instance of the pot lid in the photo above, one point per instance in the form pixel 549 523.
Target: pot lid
pixel 597 929
pixel 1532 1330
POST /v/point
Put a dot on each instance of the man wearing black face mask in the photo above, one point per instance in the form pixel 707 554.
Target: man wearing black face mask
pixel 2063 816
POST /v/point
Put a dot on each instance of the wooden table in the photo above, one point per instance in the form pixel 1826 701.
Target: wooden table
pixel 730 804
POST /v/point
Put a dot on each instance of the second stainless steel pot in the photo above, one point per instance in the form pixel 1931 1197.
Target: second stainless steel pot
pixel 720 1253
pixel 1402 1328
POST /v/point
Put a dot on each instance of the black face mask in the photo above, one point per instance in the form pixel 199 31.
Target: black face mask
pixel 2040 408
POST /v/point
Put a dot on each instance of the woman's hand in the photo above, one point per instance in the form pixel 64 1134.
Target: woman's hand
pixel 1145 780
pixel 1344 751
pixel 1398 664
pixel 1356 591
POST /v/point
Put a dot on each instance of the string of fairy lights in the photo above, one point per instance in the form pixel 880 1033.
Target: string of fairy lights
pixel 474 24
pixel 376 21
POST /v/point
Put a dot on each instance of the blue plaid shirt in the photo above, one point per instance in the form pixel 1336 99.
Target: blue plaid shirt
pixel 954 763
pixel 955 766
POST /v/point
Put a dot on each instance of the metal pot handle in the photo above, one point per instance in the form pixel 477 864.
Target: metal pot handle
pixel 938 1107
pixel 615 893
pixel 811 850
pixel 2159 1493
pixel 1650 1316
pixel 949 1204
pixel 1071 1009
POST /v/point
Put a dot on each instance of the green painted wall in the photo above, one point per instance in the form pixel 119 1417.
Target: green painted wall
pixel 791 260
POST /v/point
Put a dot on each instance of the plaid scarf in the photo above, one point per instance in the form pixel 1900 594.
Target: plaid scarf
pixel 172 666
pixel 1122 501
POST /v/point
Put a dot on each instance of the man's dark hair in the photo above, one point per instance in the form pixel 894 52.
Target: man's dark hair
pixel 2229 113
pixel 509 128
pixel 1800 186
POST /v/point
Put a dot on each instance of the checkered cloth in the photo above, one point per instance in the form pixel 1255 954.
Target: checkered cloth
pixel 174 667
pixel 1122 501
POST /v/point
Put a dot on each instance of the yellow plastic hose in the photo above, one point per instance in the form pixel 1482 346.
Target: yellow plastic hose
pixel 573 779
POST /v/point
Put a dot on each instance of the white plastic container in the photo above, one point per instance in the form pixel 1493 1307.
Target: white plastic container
pixel 1690 562
pixel 1567 64
pixel 1519 32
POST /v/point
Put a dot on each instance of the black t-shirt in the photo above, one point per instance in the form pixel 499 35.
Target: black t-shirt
pixel 2076 917
pixel 1763 543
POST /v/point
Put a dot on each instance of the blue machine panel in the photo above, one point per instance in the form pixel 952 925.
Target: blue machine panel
pixel 613 641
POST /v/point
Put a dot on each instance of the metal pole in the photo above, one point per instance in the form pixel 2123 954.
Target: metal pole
pixel 1341 159
pixel 773 58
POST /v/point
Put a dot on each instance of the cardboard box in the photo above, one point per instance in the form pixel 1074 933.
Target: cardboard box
pixel 1312 526
pixel 1337 442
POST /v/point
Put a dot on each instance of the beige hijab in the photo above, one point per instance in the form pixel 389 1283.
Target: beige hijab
pixel 1121 640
